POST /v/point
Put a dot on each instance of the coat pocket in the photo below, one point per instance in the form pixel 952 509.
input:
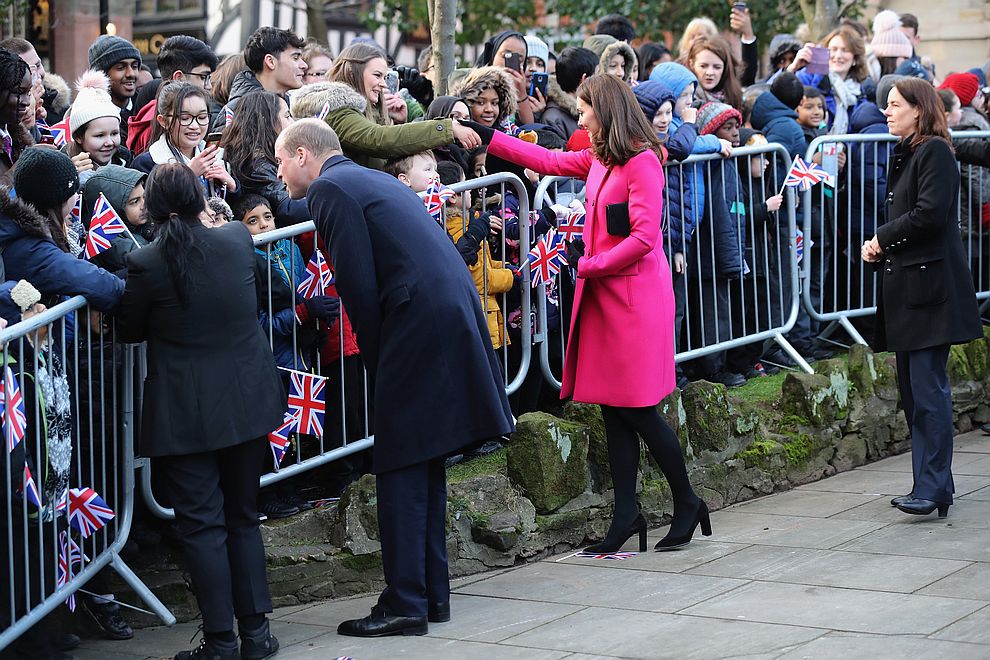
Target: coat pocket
pixel 925 283
pixel 396 298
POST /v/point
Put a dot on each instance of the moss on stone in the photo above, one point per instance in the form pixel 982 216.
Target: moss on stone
pixel 591 416
pixel 493 463
pixel 360 562
pixel 707 409
pixel 760 389
pixel 978 357
pixel 758 452
pixel 562 521
pixel 548 460
pixel 958 365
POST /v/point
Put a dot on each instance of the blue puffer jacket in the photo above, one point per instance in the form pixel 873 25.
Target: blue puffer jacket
pixel 287 270
pixel 866 182
pixel 778 123
pixel 29 253
pixel 684 203
pixel 825 85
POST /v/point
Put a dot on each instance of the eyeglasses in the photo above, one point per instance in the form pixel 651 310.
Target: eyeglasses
pixel 187 120
pixel 205 77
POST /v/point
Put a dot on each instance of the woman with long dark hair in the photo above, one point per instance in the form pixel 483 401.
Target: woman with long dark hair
pixel 211 395
pixel 620 351
pixel 925 301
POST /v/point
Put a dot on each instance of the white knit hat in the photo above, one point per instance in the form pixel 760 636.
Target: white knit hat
pixel 92 100
pixel 888 40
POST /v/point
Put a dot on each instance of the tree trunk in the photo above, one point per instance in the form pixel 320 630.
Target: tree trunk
pixel 316 22
pixel 443 22
pixel 821 16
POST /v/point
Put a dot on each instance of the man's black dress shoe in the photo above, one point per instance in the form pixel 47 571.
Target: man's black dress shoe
pixel 438 611
pixel 920 507
pixel 379 624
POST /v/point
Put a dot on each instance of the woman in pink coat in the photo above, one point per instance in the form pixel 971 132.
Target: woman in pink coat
pixel 620 352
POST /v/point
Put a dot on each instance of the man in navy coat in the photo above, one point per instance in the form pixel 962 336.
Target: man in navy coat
pixel 425 342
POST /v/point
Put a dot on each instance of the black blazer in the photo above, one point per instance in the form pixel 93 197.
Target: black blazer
pixel 926 295
pixel 418 318
pixel 212 381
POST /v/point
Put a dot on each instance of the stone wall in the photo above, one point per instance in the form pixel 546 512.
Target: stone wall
pixel 549 491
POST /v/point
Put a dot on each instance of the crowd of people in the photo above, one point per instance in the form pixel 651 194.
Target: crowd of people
pixel 219 125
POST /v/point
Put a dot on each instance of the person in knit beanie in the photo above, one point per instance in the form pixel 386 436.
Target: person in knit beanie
pixel 890 45
pixel 714 115
pixel 121 61
pixel 94 127
pixel 965 85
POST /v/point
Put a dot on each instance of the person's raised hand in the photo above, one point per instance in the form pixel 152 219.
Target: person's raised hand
pixel 690 115
pixel 538 102
pixel 802 58
pixel 218 173
pixel 519 81
pixel 575 250
pixel 468 138
pixel 324 308
pixel 740 21
pixel 397 108
pixel 204 160
pixel 774 203
pixel 726 149
pixel 82 162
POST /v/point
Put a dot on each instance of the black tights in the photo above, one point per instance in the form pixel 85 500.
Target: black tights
pixel 622 426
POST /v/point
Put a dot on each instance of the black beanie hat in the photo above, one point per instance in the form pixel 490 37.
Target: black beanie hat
pixel 45 178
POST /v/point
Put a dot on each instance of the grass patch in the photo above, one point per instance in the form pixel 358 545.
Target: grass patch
pixel 493 463
pixel 765 388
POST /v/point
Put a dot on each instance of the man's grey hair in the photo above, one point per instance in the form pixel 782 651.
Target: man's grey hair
pixel 313 135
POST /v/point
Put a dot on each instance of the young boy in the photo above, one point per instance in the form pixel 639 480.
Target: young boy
pixel 811 113
pixel 416 171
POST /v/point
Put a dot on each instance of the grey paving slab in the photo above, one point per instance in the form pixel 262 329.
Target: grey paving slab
pixel 976 441
pixel 980 466
pixel 94 654
pixel 654 635
pixel 926 536
pixel 328 614
pixel 975 629
pixel 735 526
pixel 902 462
pixel 852 610
pixel 965 512
pixel 878 482
pixel 831 568
pixel 480 619
pixel 849 646
pixel 699 552
pixel 973 581
pixel 805 503
pixel 617 588
pixel 332 645
pixel 982 495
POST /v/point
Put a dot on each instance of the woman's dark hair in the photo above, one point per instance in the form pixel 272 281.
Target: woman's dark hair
pixel 171 95
pixel 173 200
pixel 888 65
pixel 625 131
pixel 650 55
pixel 251 136
pixel 729 86
pixel 224 74
pixel 574 63
pixel 948 98
pixel 12 70
pixel 813 93
pixel 932 123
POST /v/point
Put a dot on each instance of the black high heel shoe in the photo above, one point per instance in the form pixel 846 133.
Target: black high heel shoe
pixel 614 541
pixel 901 499
pixel 700 518
pixel 920 507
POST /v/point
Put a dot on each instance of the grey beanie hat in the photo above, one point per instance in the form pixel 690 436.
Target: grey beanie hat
pixel 883 89
pixel 109 49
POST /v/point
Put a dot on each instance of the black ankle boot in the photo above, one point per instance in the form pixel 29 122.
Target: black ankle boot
pixel 617 537
pixel 674 539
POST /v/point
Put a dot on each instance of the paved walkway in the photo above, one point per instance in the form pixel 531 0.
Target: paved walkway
pixel 828 570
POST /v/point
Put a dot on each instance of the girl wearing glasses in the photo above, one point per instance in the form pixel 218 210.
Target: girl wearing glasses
pixel 178 137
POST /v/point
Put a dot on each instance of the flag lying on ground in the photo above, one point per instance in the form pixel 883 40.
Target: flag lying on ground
pixel 318 277
pixel 617 556
pixel 69 554
pixel 87 511
pixel 435 197
pixel 31 493
pixel 571 227
pixel 307 402
pixel 804 175
pixel 61 132
pixel 546 258
pixel 12 409
pixel 278 439
pixel 105 225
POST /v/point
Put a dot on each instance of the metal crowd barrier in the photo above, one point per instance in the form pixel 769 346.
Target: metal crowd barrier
pixel 716 311
pixel 837 285
pixel 76 387
pixel 347 426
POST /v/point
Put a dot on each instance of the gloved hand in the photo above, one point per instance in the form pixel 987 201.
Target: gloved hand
pixel 516 273
pixel 484 132
pixel 419 86
pixel 324 308
pixel 468 249
pixel 575 250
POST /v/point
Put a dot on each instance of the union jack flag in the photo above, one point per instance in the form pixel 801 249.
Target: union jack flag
pixel 75 215
pixel 324 111
pixel 546 258
pixel 62 503
pixel 12 409
pixel 307 403
pixel 435 197
pixel 61 132
pixel 105 225
pixel 510 127
pixel 87 511
pixel 804 175
pixel 278 439
pixel 571 227
pixel 69 554
pixel 228 116
pixel 31 493
pixel 318 276
pixel 617 556
pixel 799 244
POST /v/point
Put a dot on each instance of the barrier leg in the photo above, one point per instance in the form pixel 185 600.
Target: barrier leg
pixel 142 591
pixel 849 328
pixel 792 353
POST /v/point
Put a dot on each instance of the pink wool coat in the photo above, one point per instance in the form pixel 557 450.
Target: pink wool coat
pixel 620 349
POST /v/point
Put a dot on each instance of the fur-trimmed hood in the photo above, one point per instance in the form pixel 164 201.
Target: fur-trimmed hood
pixel 63 97
pixel 308 100
pixel 24 219
pixel 489 77
pixel 561 99
pixel 630 61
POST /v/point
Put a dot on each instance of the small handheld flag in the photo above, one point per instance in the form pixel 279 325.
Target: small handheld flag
pixel 61 132
pixel 545 258
pixel 88 512
pixel 69 554
pixel 318 276
pixel 105 225
pixel 278 439
pixel 804 175
pixel 75 215
pixel 324 111
pixel 571 227
pixel 435 197
pixel 307 402
pixel 31 493
pixel 228 116
pixel 12 408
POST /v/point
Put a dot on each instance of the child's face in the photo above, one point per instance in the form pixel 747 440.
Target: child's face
pixel 134 206
pixel 455 201
pixel 617 65
pixel 479 164
pixel 811 112
pixel 259 220
pixel 661 120
pixel 684 100
pixel 757 166
pixel 485 107
pixel 422 171
pixel 729 130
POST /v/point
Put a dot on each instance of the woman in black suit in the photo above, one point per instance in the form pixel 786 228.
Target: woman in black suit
pixel 926 300
pixel 211 396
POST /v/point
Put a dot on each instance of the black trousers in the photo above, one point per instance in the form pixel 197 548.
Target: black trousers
pixel 412 517
pixel 215 494
pixel 927 401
